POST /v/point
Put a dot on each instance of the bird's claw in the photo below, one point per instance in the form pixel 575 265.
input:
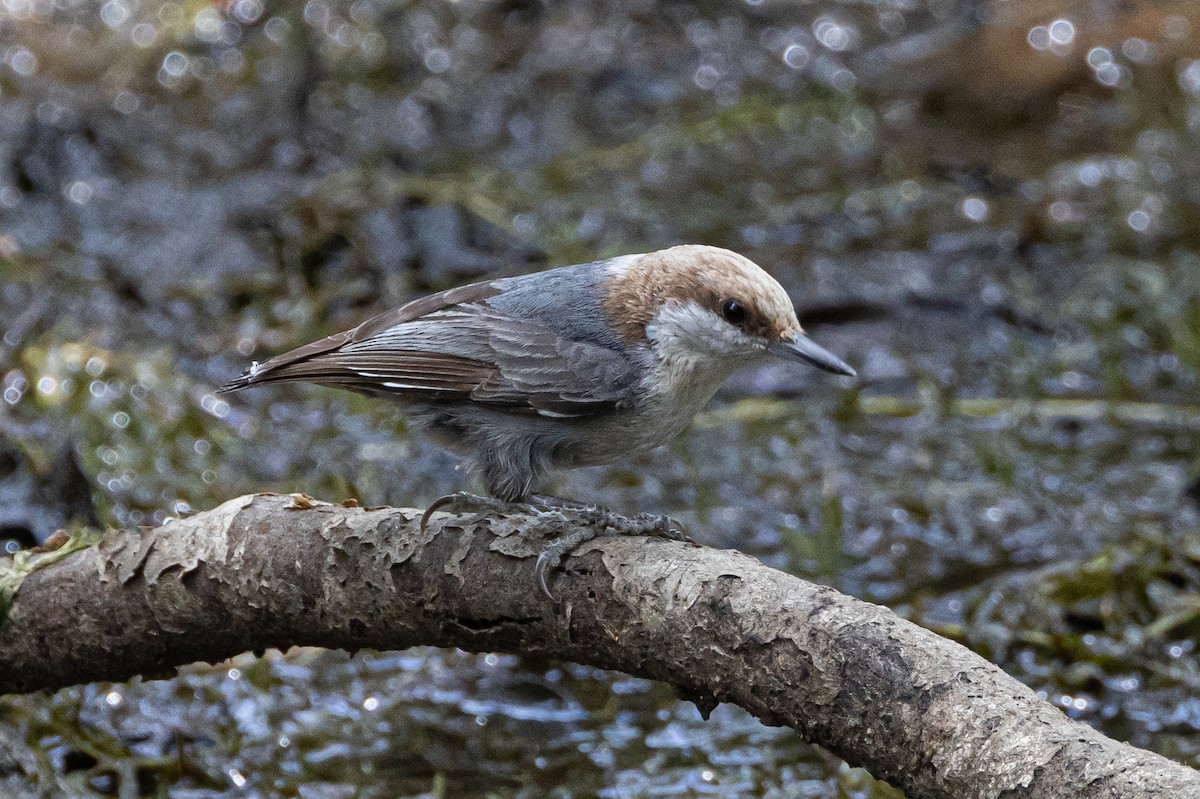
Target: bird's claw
pixel 542 570
pixel 551 556
pixel 434 506
pixel 466 502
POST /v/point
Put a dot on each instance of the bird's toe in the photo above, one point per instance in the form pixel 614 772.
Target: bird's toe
pixel 551 557
pixel 462 502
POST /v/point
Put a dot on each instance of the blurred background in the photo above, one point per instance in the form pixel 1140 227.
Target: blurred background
pixel 989 207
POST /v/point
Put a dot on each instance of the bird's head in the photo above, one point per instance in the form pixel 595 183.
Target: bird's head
pixel 709 305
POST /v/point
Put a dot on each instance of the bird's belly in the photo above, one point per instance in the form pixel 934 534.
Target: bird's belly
pixel 609 440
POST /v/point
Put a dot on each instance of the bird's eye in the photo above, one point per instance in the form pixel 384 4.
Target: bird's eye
pixel 733 312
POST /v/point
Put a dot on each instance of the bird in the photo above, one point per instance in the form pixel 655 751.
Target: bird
pixel 572 366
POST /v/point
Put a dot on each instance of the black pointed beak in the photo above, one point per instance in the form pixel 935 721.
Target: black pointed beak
pixel 802 348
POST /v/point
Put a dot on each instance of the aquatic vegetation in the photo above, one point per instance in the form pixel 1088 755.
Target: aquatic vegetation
pixel 994 220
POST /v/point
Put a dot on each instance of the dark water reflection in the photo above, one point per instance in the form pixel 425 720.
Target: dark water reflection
pixel 991 210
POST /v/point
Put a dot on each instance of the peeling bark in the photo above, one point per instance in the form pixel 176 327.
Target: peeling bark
pixel 267 571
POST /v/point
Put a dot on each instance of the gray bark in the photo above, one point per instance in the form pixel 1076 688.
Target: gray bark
pixel 263 571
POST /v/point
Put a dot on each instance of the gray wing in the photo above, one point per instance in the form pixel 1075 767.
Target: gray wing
pixel 456 347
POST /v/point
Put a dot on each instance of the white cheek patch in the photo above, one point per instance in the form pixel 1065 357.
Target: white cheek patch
pixel 688 328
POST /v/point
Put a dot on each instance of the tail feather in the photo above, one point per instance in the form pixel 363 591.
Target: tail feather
pixel 237 384
pixel 246 379
pixel 285 367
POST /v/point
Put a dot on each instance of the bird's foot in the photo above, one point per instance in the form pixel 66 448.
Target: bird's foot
pixel 651 524
pixel 599 521
pixel 553 515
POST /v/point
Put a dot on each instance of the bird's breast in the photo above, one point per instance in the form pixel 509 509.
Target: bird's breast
pixel 671 395
pixel 681 387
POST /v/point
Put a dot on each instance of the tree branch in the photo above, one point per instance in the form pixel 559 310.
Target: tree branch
pixel 268 571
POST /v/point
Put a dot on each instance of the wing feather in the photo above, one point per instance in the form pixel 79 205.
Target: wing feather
pixel 454 347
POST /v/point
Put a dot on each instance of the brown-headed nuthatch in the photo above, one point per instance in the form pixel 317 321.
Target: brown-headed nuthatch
pixel 574 366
